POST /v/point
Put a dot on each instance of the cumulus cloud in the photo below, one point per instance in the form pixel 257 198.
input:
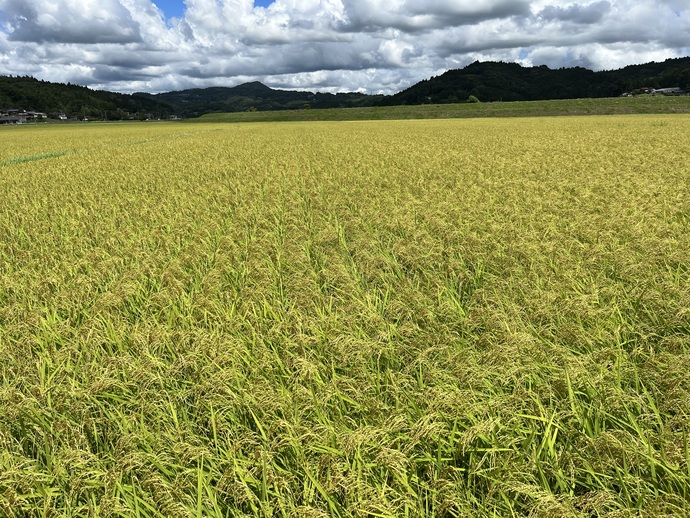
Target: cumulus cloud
pixel 577 13
pixel 71 21
pixel 414 15
pixel 327 45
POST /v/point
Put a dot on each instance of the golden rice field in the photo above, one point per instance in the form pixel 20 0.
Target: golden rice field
pixel 459 318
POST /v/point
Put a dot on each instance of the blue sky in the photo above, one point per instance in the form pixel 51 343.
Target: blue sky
pixel 372 46
pixel 175 8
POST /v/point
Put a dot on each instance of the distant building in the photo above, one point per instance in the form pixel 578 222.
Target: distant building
pixel 669 91
pixel 18 115
pixel 23 115
pixel 655 91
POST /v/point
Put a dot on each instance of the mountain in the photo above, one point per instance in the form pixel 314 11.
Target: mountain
pixel 497 81
pixel 75 101
pixel 254 96
pixel 488 81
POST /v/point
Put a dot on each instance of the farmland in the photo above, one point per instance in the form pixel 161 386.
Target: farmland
pixel 559 107
pixel 417 318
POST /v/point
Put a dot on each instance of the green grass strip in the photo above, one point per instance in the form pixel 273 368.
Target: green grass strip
pixel 549 108
pixel 32 158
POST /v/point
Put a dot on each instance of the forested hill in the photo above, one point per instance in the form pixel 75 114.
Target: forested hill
pixel 492 81
pixel 75 101
pixel 488 81
pixel 255 96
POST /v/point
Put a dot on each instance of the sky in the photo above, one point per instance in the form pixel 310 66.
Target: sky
pixel 371 46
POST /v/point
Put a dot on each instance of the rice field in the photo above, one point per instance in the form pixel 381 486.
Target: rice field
pixel 446 318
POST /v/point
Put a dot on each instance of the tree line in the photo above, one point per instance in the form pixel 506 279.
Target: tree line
pixel 498 81
pixel 75 101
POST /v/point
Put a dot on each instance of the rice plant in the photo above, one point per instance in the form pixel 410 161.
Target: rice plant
pixel 482 317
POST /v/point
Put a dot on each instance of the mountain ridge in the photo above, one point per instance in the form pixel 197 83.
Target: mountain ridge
pixel 255 96
pixel 483 81
pixel 499 81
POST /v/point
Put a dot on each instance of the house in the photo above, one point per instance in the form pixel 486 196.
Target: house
pixel 20 115
pixel 669 91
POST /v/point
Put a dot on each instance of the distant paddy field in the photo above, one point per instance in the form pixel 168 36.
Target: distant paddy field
pixel 410 318
pixel 560 107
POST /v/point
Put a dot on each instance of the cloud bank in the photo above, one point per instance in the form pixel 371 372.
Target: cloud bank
pixel 374 46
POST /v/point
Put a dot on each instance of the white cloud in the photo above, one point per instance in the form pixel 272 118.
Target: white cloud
pixel 69 21
pixel 577 13
pixel 326 45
